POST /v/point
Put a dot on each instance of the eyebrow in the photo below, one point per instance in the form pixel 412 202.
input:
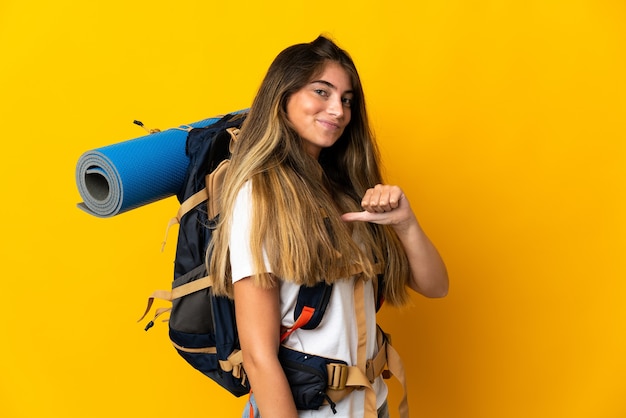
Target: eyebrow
pixel 330 85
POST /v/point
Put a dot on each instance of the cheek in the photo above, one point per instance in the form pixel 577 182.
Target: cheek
pixel 300 111
pixel 296 109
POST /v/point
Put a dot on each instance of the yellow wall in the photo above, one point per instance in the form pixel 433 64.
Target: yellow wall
pixel 504 121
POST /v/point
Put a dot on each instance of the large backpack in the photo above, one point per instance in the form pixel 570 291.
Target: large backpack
pixel 202 326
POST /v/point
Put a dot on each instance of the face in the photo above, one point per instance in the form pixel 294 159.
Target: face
pixel 320 111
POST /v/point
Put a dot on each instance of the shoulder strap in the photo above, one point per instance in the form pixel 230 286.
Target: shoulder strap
pixel 316 298
pixel 310 308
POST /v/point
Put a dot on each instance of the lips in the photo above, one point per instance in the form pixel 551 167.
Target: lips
pixel 329 124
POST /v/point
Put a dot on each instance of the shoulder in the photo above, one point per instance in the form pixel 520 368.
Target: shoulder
pixel 243 199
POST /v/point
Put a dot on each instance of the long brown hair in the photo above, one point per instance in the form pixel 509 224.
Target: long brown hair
pixel 297 200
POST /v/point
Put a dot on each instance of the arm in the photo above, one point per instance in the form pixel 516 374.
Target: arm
pixel 257 312
pixel 387 205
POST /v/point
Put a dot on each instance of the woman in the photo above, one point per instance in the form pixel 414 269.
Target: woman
pixel 304 202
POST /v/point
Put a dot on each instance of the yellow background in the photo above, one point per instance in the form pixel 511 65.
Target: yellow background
pixel 504 121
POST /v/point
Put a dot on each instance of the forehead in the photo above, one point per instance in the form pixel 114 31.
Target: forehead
pixel 335 74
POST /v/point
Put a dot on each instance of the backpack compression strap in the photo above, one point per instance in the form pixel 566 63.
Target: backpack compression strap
pixel 175 293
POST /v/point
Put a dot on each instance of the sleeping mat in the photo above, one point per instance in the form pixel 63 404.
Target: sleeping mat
pixel 116 178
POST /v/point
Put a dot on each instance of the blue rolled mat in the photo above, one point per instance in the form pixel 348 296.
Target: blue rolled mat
pixel 117 178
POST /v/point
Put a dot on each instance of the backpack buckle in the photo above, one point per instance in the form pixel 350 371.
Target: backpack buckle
pixel 337 376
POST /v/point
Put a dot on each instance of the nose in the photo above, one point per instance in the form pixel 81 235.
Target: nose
pixel 335 107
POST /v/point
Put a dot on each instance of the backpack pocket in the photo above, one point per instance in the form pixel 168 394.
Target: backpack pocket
pixel 202 329
pixel 307 375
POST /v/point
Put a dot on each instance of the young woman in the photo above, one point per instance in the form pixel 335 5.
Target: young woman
pixel 304 202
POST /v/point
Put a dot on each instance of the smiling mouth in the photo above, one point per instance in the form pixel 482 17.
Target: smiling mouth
pixel 329 125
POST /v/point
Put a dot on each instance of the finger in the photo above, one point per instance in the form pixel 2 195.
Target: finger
pixel 368 198
pixel 363 216
pixel 384 199
pixel 373 197
pixel 395 196
pixel 355 216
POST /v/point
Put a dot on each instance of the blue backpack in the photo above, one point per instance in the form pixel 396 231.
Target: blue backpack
pixel 202 326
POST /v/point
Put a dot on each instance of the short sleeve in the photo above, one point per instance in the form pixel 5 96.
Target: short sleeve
pixel 241 261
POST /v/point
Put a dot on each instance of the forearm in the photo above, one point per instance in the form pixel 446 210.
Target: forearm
pixel 258 321
pixel 429 275
pixel 270 388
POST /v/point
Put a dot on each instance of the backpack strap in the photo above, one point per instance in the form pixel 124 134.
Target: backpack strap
pixel 214 182
pixel 361 354
pixel 342 379
pixel 193 201
pixel 314 298
pixel 176 292
pixel 396 367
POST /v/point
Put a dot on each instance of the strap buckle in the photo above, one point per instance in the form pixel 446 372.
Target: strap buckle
pixel 337 376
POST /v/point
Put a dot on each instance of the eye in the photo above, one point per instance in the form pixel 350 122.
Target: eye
pixel 321 92
pixel 347 101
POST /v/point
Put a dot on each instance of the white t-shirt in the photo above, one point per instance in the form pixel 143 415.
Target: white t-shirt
pixel 336 335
